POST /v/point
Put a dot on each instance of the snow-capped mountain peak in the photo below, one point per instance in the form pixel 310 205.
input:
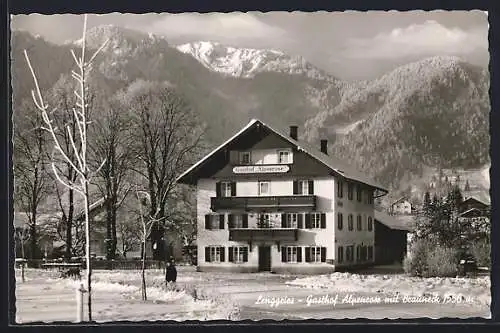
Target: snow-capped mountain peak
pixel 246 62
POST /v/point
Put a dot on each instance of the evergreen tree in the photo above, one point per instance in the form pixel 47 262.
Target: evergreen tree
pixel 426 207
pixel 467 185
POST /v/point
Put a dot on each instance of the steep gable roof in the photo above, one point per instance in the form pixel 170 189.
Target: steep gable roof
pixel 393 222
pixel 338 166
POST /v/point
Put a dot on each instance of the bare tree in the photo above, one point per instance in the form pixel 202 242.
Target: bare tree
pixel 30 159
pixel 183 219
pixel 78 141
pixel 69 230
pixel 167 136
pixel 111 143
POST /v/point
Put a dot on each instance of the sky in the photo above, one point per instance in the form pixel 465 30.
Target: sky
pixel 350 45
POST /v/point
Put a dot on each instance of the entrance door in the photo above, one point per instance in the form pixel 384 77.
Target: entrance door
pixel 264 258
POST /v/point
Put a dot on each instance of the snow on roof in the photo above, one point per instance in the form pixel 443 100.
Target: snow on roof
pixel 337 165
pixel 393 222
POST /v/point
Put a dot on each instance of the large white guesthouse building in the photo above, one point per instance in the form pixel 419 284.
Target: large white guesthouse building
pixel 268 202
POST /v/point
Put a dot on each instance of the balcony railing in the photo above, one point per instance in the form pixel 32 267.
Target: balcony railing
pixel 289 203
pixel 263 234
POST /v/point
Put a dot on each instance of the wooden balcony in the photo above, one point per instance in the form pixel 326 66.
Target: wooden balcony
pixel 265 203
pixel 263 234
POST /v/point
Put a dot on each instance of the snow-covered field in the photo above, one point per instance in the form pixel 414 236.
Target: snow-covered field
pixel 116 296
pixel 211 296
pixel 472 291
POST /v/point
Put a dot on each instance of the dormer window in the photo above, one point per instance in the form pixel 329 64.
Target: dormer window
pixel 284 156
pixel 245 157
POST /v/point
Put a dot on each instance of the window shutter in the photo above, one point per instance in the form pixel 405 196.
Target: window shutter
pixel 233 189
pixel 245 220
pixel 221 221
pixel 207 222
pixel 222 253
pixel 283 220
pixel 311 187
pixel 308 254
pixel 295 187
pixel 283 254
pixel 300 220
pixel 299 254
pixel 323 254
pixel 207 254
pixel 308 220
pixel 217 189
pixel 230 253
pixel 230 221
pixel 323 221
pixel 245 254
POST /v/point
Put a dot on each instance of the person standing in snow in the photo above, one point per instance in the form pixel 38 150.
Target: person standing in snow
pixel 171 274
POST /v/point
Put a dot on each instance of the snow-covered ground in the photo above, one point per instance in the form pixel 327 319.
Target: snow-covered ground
pixel 116 296
pixel 210 296
pixel 472 291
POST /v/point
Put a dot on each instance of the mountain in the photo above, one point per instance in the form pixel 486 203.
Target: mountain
pixel 245 62
pixel 224 103
pixel 400 128
pixel 431 113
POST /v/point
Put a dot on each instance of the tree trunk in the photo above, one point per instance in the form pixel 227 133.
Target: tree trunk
pixel 143 285
pixel 109 237
pixel 87 250
pixel 69 224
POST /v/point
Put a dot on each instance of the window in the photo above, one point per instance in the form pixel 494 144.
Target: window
pixel 370 252
pixel 214 254
pixel 315 254
pixel 349 253
pixel 291 254
pixel 350 191
pixel 264 221
pixel 284 156
pixel 245 157
pixel 359 223
pixel 264 188
pixel 303 187
pixel 214 221
pixel 358 253
pixel 226 188
pixel 370 197
pixel 292 220
pixel 340 221
pixel 359 193
pixel 238 221
pixel 350 222
pixel 370 223
pixel 315 220
pixel 340 255
pixel 238 254
pixel 340 189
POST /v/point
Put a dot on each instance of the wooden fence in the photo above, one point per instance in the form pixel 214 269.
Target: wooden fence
pixel 103 264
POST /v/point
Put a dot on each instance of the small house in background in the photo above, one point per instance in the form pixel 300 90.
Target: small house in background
pixel 46 240
pixel 402 206
pixel 474 207
pixel 391 237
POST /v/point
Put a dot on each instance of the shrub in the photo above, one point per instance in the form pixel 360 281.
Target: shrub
pixel 481 250
pixel 442 262
pixel 427 258
pixel 415 263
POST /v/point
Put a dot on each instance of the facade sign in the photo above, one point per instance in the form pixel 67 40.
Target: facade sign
pixel 261 169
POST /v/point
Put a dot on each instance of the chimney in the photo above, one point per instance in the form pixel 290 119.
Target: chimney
pixel 294 132
pixel 324 147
